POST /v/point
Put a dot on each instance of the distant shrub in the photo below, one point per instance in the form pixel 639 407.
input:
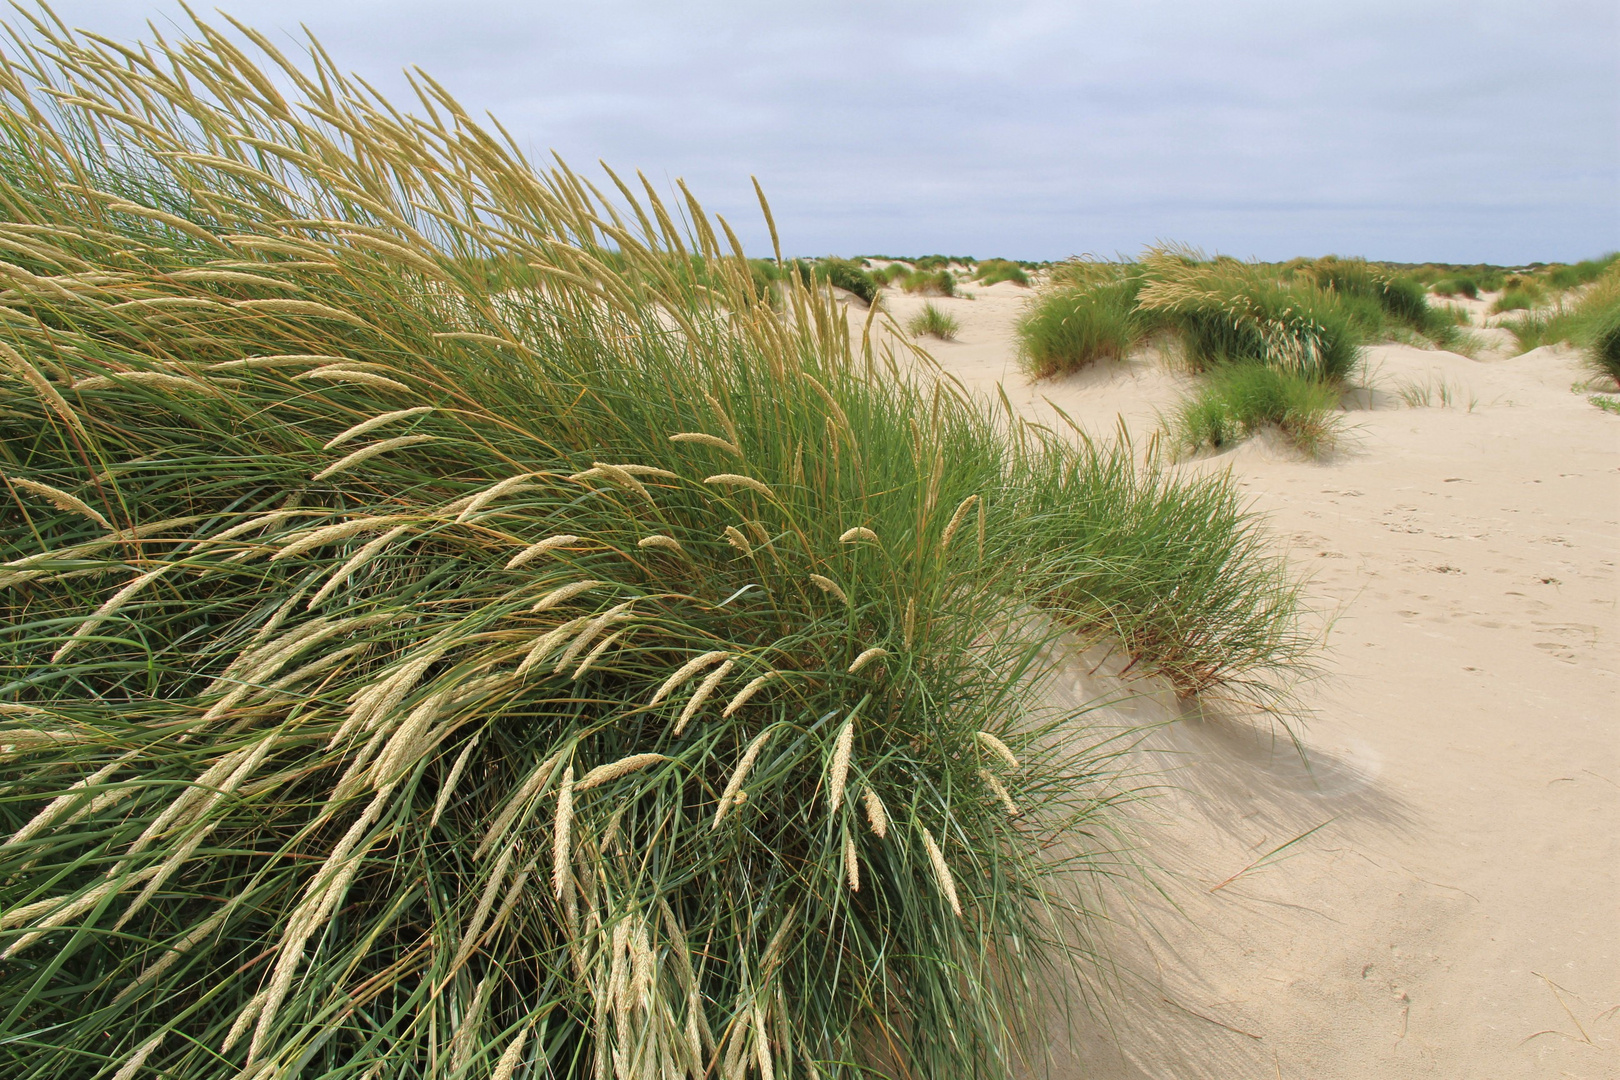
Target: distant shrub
pixel 1233 312
pixel 929 282
pixel 1521 297
pixel 1072 327
pixel 932 322
pixel 1582 273
pixel 848 276
pixel 1457 286
pixel 992 271
pixel 1239 400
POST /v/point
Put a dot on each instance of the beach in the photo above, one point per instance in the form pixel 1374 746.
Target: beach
pixel 1453 912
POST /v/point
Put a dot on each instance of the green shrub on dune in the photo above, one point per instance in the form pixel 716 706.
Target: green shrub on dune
pixel 1232 312
pixel 1456 286
pixel 605 676
pixel 929 283
pixel 1239 400
pixel 847 275
pixel 1074 326
pixel 994 271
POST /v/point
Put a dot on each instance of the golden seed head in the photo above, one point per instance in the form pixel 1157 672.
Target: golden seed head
pixel 877 815
pixel 997 747
pixel 866 658
pixel 830 587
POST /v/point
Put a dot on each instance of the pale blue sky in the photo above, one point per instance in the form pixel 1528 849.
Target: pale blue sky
pixel 1480 131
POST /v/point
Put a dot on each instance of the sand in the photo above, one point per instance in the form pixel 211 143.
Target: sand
pixel 1456 913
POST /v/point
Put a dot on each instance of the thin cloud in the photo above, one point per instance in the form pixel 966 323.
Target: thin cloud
pixel 1450 131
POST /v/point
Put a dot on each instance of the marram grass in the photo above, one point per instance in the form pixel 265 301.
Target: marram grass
pixel 452 627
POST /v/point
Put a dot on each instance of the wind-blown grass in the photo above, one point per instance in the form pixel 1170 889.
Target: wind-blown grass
pixel 405 678
pixel 1232 312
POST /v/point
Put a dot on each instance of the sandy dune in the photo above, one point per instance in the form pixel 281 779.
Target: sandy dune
pixel 1457 912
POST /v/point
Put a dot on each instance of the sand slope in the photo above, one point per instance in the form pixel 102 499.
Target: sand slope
pixel 1457 912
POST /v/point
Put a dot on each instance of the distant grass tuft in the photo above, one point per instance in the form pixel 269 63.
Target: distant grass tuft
pixel 992 271
pixel 1457 286
pixel 932 322
pixel 929 282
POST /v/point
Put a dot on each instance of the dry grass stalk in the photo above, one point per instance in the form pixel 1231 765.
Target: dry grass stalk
pixel 360 558
pixel 495 491
pixel 550 543
pixel 747 692
pixel 830 587
pixel 511 1057
pixel 368 452
pixel 993 782
pixel 659 540
pixel 736 539
pixel 549 641
pixel 331 534
pixel 738 480
pixel 448 788
pixel 686 671
pixel 376 422
pixel 108 609
pixel 59 499
pixel 956 522
pixel 603 774
pixel 516 802
pixel 706 440
pixel 138 1059
pixel 732 795
pixel 942 872
pixel 562 833
pixel 840 764
pixel 591 632
pixel 559 596
pixel 997 747
pixel 596 654
pixel 877 815
pixel 338 373
pixel 701 694
pixel 867 657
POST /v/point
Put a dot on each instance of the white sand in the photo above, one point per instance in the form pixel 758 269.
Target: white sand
pixel 1458 915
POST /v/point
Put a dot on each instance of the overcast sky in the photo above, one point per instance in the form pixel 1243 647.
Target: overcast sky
pixel 1415 130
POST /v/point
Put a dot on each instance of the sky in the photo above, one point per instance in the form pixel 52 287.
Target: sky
pixel 1422 130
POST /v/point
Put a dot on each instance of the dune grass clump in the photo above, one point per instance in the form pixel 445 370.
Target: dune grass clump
pixel 1232 312
pixel 1072 326
pixel 1582 273
pixel 994 271
pixel 1588 323
pixel 611 675
pixel 1456 286
pixel 849 276
pixel 933 322
pixel 1239 400
pixel 1519 293
pixel 929 283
